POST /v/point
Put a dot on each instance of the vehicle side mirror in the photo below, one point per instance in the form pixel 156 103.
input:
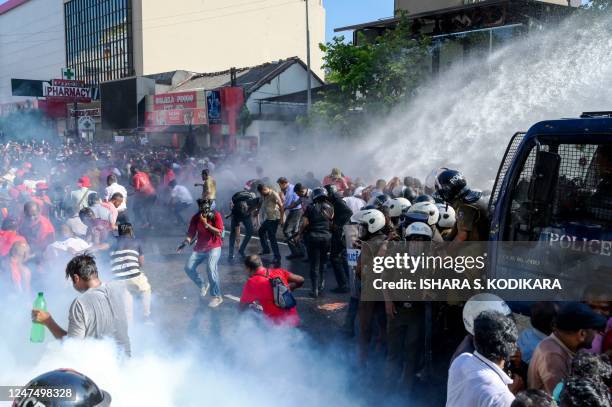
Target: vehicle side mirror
pixel 544 177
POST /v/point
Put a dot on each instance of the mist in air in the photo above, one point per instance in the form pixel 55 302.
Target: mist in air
pixel 463 119
pixel 466 116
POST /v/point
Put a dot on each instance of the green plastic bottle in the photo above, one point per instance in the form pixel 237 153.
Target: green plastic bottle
pixel 37 334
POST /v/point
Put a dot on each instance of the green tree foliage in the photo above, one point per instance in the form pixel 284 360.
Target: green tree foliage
pixel 372 77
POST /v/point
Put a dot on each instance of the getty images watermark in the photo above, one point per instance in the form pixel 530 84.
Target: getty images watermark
pixel 517 271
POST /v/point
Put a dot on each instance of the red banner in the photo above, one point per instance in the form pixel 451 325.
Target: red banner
pixel 175 101
pixel 180 117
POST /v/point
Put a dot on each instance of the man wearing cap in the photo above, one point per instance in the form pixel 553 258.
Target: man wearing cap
pixel 336 178
pixel 575 329
pixel 79 196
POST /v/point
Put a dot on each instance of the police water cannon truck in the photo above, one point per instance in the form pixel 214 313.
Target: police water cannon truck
pixel 554 187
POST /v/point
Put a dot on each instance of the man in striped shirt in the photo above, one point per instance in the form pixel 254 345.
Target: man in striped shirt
pixel 127 261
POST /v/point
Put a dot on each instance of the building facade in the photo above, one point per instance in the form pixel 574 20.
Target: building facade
pixel 32 44
pixel 463 28
pixel 419 6
pixel 111 39
pixel 99 39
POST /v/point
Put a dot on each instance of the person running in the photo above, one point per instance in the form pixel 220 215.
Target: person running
pixel 273 210
pixel 293 212
pixel 206 228
pixel 127 261
pixel 180 200
pixel 145 195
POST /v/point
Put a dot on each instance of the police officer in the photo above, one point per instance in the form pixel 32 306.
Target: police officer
pixel 371 224
pixel 406 326
pixel 432 215
pixel 471 209
pixel 446 223
pixel 317 224
pixel 71 387
pixel 342 216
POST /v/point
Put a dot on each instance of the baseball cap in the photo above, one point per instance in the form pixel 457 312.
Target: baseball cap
pixel 574 316
pixel 84 181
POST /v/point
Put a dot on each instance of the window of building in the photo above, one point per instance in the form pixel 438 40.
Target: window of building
pixel 99 39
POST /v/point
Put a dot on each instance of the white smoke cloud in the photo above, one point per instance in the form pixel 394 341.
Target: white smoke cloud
pixel 463 119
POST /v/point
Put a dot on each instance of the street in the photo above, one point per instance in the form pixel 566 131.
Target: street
pixel 179 310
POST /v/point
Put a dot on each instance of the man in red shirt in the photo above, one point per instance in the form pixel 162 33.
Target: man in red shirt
pixel 258 289
pixel 9 236
pixel 207 227
pixel 42 199
pixel 36 228
pixel 338 179
pixel 145 195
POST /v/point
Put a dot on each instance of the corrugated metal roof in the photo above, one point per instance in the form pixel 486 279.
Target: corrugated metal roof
pixel 250 78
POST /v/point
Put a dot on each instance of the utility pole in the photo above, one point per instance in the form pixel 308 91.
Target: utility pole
pixel 77 136
pixel 308 81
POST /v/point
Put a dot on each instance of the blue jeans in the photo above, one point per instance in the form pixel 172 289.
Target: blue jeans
pixel 211 258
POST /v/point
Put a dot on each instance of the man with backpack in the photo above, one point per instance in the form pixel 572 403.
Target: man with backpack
pixel 271 289
pixel 243 204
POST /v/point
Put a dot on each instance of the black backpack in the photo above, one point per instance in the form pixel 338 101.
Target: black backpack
pixel 241 201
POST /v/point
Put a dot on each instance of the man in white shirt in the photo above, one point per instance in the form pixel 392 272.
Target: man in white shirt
pixel 78 197
pixel 65 248
pixel 355 202
pixel 114 187
pixel 180 199
pixel 478 379
pixel 100 212
pixel 75 224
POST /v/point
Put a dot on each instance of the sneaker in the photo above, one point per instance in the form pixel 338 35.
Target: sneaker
pixel 276 262
pixel 204 290
pixel 215 302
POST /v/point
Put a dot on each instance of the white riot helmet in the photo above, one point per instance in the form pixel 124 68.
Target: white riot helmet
pixel 418 229
pixel 428 208
pixel 357 216
pixel 373 220
pixel 479 303
pixel 447 216
pixel 397 206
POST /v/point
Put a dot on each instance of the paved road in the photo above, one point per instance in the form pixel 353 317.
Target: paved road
pixel 178 308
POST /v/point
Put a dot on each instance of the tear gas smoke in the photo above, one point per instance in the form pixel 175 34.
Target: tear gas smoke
pixel 463 119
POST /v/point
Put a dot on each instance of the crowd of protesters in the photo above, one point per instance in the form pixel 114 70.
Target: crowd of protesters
pixel 62 204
